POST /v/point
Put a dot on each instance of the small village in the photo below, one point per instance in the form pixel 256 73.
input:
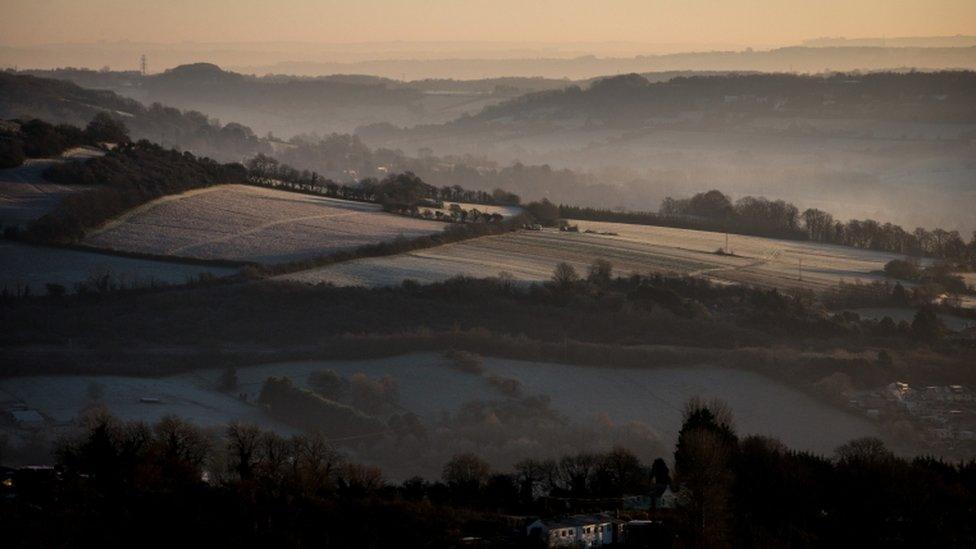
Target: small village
pixel 942 417
pixel 638 521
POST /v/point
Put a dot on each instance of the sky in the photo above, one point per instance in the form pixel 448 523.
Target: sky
pixel 757 23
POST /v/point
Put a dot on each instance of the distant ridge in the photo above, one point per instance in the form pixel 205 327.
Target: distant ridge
pixel 956 41
pixel 801 59
pixel 814 56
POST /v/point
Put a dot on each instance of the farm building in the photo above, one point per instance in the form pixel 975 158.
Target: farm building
pixel 576 531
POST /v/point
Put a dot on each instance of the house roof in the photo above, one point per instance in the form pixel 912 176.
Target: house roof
pixel 577 520
pixel 27 416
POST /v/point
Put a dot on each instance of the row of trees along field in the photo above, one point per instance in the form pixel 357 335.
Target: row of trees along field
pixel 715 211
pixel 131 174
pixel 404 190
pixel 118 481
pixel 128 176
pixel 627 321
pixel 20 140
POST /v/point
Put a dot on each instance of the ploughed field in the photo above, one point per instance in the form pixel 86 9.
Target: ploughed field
pixel 530 256
pixel 243 223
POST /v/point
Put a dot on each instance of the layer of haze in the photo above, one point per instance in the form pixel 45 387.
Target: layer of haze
pixel 660 24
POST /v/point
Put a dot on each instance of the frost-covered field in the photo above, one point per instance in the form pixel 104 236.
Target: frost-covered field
pixel 62 398
pixel 239 222
pixel 770 262
pixel 653 396
pixel 26 196
pixel 531 256
pixel 22 265
pixel 429 387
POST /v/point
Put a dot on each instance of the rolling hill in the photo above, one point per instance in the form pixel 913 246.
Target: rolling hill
pixel 289 105
pixel 893 145
pixel 251 224
pixel 531 257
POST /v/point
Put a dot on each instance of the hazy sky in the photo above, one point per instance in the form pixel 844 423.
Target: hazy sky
pixel 746 22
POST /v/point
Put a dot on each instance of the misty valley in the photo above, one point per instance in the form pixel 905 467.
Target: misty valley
pixel 488 294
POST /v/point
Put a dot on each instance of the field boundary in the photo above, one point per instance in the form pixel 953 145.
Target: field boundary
pixel 181 260
pixel 116 221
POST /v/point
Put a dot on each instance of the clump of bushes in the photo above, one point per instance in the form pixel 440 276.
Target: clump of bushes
pixel 544 212
pixel 228 379
pixel 373 396
pixel 902 269
pixel 328 384
pixel 306 410
pixel 128 176
pixel 507 386
pixel 11 152
pixel 464 361
pixel 38 139
pixel 939 274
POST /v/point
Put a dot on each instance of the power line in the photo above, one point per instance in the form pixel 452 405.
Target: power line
pixel 643 387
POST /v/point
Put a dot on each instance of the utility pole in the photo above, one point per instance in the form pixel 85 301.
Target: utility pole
pixel 799 269
pixel 143 65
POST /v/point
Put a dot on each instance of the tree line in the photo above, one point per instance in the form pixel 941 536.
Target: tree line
pixel 403 190
pixel 243 486
pixel 20 140
pixel 715 211
pixel 576 318
pixel 132 174
pixel 946 96
pixel 128 176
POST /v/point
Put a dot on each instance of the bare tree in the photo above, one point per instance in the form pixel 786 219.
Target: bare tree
pixel 600 272
pixel 466 472
pixel 535 477
pixel 181 447
pixel 242 445
pixel 315 462
pixel 564 276
pixel 864 450
pixel 576 471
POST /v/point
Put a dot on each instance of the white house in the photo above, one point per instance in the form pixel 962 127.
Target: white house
pixel 28 418
pixel 574 531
